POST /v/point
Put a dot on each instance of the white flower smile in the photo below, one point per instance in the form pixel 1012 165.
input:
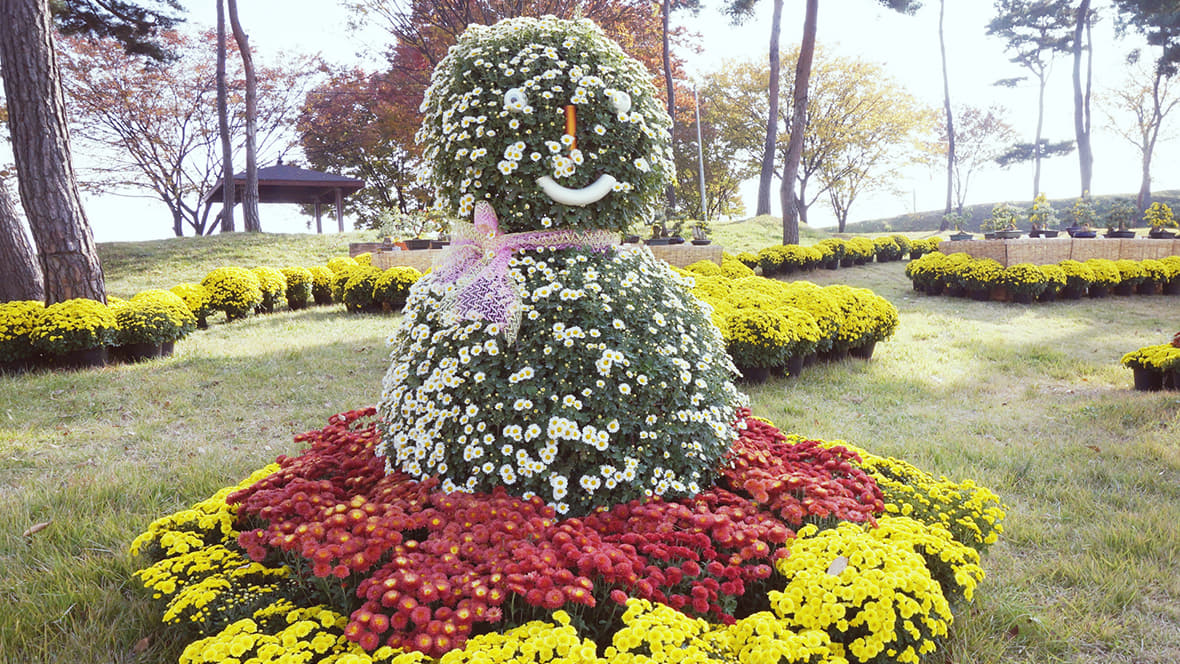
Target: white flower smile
pixel 591 193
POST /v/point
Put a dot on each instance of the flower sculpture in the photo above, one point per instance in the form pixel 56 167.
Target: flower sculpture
pixel 560 468
pixel 537 355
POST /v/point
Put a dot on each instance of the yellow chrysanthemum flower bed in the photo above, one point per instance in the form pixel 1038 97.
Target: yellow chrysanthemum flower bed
pixel 17 320
pixel 77 324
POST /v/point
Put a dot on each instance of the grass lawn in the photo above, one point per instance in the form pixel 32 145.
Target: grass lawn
pixel 1029 401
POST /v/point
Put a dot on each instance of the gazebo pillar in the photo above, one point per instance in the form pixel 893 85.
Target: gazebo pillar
pixel 319 226
pixel 339 209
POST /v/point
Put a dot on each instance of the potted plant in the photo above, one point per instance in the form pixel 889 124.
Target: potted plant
pixel 1001 224
pixel 1159 216
pixel 76 333
pixel 700 233
pixel 298 290
pixel 1025 282
pixel 659 234
pixel 1120 214
pixel 757 340
pixel 956 220
pixel 17 320
pixel 1151 364
pixel 1083 216
pixel 1042 217
pixel 150 323
pixel 197 299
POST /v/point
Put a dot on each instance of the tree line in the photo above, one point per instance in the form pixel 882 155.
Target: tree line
pixel 174 121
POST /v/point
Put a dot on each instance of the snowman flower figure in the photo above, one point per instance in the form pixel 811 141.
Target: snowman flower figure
pixel 536 353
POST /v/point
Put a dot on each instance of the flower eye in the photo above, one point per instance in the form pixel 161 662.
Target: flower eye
pixel 621 101
pixel 515 100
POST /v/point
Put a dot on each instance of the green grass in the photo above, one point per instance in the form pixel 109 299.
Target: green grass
pixel 758 232
pixel 1029 401
pixel 133 266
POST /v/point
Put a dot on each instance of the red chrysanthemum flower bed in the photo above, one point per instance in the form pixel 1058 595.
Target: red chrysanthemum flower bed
pixel 424 570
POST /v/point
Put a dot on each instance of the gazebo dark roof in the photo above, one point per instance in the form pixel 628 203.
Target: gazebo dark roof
pixel 284 183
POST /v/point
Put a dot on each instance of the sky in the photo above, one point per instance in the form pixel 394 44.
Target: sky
pixel 906 46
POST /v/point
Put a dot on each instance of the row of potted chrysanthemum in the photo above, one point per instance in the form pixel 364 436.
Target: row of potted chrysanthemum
pixel 963 275
pixel 1155 367
pixel 770 325
pixel 808 550
pixel 834 253
pixel 83 332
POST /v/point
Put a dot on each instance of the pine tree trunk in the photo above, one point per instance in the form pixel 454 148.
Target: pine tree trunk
pixel 20 276
pixel 41 146
pixel 250 216
pixel 227 153
pixel 950 122
pixel 798 124
pixel 766 176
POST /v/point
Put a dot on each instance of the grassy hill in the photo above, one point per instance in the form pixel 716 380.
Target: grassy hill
pixel 929 221
pixel 130 267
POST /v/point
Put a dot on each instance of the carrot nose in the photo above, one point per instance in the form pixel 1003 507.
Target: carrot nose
pixel 571 124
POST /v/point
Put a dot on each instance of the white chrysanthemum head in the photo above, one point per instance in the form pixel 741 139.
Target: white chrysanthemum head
pixel 547 119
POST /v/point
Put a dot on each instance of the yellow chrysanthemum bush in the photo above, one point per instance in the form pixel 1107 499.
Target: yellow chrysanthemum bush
pixel 340 279
pixel 77 324
pixel 704 268
pixel 860 249
pixel 393 286
pixel 233 290
pixel 1131 273
pixel 341 263
pixel 757 337
pixel 321 284
pixel 197 299
pixel 735 269
pixel 1159 357
pixel 1055 281
pixel 365 258
pixel 1024 279
pixel 868 588
pixel 838 247
pixel 1155 271
pixel 17 320
pixel 273 285
pixel 748 258
pixel 1078 275
pixel 973 514
pixel 358 289
pixel 154 317
pixel 888 249
pixel 1106 272
pixel 299 283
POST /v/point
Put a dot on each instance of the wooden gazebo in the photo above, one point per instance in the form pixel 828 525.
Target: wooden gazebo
pixel 283 183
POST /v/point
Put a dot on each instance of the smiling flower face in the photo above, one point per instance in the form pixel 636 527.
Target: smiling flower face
pixel 551 122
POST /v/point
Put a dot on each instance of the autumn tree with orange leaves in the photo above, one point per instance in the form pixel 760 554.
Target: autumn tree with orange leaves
pixel 362 125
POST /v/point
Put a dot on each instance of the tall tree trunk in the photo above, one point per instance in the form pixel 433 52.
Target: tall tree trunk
pixel 20 276
pixel 41 146
pixel 950 122
pixel 250 216
pixel 1081 101
pixel 1144 198
pixel 1037 141
pixel 670 192
pixel 227 152
pixel 766 176
pixel 798 123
